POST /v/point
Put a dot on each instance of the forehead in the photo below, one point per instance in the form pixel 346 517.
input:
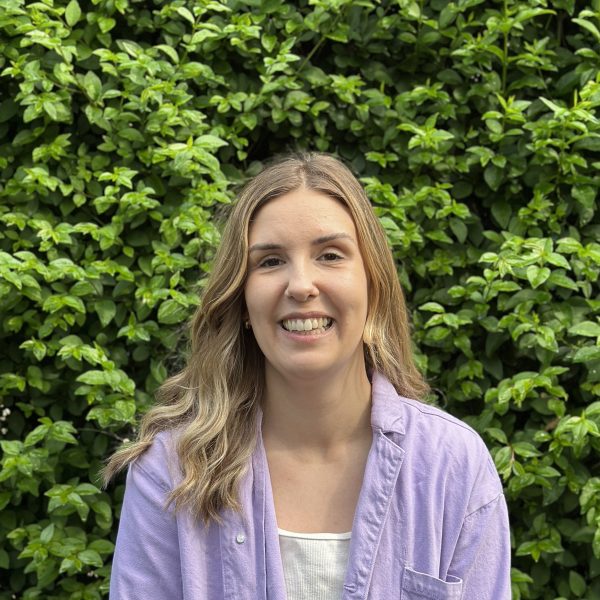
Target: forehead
pixel 302 211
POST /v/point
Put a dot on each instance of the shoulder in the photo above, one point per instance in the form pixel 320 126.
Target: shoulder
pixel 459 453
pixel 160 461
pixel 445 428
pixel 395 413
pixel 436 444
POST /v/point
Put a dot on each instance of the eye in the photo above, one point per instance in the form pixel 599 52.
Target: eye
pixel 330 256
pixel 270 261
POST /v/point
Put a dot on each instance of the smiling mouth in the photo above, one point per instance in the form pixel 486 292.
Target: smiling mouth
pixel 307 326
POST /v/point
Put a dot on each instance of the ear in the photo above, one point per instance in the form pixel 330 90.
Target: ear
pixel 245 317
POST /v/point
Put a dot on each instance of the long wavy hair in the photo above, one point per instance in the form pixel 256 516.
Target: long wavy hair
pixel 213 402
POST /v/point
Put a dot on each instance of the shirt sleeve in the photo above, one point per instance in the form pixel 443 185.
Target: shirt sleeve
pixel 482 554
pixel 146 562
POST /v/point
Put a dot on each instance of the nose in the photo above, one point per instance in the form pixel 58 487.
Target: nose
pixel 301 285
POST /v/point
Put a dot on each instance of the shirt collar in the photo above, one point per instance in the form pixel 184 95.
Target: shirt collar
pixel 387 410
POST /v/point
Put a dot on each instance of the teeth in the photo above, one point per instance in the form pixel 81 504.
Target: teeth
pixel 306 324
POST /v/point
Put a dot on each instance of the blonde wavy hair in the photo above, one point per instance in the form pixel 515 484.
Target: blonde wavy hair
pixel 214 401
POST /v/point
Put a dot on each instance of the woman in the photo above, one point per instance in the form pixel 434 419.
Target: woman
pixel 287 459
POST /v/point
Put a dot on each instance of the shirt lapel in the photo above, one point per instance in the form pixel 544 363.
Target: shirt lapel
pixel 379 483
pixel 381 473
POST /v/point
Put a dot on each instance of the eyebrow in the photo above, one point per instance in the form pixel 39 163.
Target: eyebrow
pixel 316 242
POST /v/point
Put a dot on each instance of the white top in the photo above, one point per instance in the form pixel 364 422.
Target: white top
pixel 314 564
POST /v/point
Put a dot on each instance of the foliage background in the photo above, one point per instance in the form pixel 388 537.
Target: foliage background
pixel 127 125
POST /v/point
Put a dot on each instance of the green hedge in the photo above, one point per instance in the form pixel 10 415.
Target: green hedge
pixel 126 127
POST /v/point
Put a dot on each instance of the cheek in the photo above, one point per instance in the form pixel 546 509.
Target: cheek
pixel 354 290
pixel 256 297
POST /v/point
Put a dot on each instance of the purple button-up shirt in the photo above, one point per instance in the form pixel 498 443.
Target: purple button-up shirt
pixel 430 523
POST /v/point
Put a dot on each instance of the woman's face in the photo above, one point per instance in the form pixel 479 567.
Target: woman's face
pixel 306 292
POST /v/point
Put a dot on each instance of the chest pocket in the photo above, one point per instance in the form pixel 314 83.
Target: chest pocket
pixel 420 586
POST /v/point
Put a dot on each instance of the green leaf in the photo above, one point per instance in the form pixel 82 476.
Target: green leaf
pixel 170 52
pixel 47 534
pixel 131 134
pixel 106 23
pixel 561 280
pixel 37 347
pixel 51 110
pixel 72 13
pixel 11 448
pixel 87 489
pixel 587 354
pixel 537 275
pixel 497 434
pixel 69 564
pixel 4 499
pixel 448 15
pixel 102 546
pixel 90 557
pixel 63 431
pixel 432 307
pixel 94 377
pixel 186 14
pixel 503 461
pixel 577 584
pixel 502 212
pixel 525 449
pixel 315 76
pixel 589 26
pixel 106 310
pixel 171 312
pixel 586 328
pixel 210 142
pixel 92 85
pixel 35 436
pixel 459 229
pixel 103 514
pixel 551 105
pixel 529 548
pixel 493 176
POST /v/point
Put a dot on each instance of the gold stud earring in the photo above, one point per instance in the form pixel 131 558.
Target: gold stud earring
pixel 247 324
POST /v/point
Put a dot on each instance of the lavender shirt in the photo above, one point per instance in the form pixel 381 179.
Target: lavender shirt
pixel 431 521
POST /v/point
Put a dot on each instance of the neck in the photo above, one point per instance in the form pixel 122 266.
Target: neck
pixel 317 416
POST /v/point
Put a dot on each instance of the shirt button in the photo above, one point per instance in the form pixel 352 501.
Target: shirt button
pixel 240 538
